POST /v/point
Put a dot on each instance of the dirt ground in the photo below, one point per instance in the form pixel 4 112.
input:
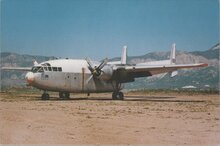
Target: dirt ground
pixel 140 119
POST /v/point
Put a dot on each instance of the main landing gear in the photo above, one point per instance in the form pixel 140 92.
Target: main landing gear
pixel 117 96
pixel 64 95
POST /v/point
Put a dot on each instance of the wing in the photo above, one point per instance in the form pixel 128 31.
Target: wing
pixel 128 73
pixel 17 68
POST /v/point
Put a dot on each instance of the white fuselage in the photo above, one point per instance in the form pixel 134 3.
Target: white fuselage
pixel 67 75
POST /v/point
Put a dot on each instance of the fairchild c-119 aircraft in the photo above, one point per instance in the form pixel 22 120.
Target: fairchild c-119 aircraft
pixel 85 76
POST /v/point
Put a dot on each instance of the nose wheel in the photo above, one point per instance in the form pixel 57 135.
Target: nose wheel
pixel 45 96
pixel 64 95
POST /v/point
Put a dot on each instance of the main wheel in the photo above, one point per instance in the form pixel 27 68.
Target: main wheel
pixel 117 96
pixel 120 96
pixel 67 95
pixel 61 95
pixel 114 96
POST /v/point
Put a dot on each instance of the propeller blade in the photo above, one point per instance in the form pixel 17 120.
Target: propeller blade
pixel 88 80
pixel 104 62
pixel 91 66
pixel 96 71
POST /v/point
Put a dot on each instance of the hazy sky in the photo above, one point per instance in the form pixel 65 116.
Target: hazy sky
pixel 100 28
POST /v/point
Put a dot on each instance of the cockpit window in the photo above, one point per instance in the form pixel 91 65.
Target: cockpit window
pixel 41 70
pixel 35 69
pixel 54 68
pixel 49 68
pixel 45 68
pixel 48 64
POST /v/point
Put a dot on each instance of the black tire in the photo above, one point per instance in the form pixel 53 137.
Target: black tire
pixel 117 96
pixel 61 95
pixel 64 95
pixel 120 96
pixel 45 96
pixel 114 96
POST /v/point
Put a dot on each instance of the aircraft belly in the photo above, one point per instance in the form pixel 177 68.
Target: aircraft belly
pixel 97 85
pixel 71 82
pixel 92 85
pixel 51 81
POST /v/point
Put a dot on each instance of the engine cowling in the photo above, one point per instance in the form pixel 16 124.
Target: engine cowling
pixel 106 73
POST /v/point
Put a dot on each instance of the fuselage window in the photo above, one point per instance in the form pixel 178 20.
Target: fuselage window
pixel 59 69
pixel 54 68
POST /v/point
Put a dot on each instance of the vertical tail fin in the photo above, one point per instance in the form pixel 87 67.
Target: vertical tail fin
pixel 173 54
pixel 124 55
pixel 173 59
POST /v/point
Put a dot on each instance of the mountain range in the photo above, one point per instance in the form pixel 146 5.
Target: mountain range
pixel 202 78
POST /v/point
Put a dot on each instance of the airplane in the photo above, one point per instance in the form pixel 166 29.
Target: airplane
pixel 85 76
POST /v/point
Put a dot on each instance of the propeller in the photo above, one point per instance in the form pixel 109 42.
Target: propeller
pixel 96 71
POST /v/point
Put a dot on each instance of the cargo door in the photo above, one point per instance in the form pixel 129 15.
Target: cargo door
pixel 83 80
pixel 68 81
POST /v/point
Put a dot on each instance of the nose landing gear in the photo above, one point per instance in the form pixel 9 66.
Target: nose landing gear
pixel 45 96
pixel 64 95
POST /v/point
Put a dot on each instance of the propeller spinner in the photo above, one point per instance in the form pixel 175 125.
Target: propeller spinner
pixel 96 71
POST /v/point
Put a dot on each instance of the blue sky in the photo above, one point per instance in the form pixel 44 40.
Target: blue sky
pixel 100 28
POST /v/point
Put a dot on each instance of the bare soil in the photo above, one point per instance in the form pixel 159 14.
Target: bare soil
pixel 140 119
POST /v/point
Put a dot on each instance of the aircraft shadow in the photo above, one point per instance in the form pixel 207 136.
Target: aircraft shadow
pixel 130 98
pixel 159 99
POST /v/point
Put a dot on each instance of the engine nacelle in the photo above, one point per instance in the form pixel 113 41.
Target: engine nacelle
pixel 106 73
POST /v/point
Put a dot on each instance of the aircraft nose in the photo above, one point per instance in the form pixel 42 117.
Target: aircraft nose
pixel 29 77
